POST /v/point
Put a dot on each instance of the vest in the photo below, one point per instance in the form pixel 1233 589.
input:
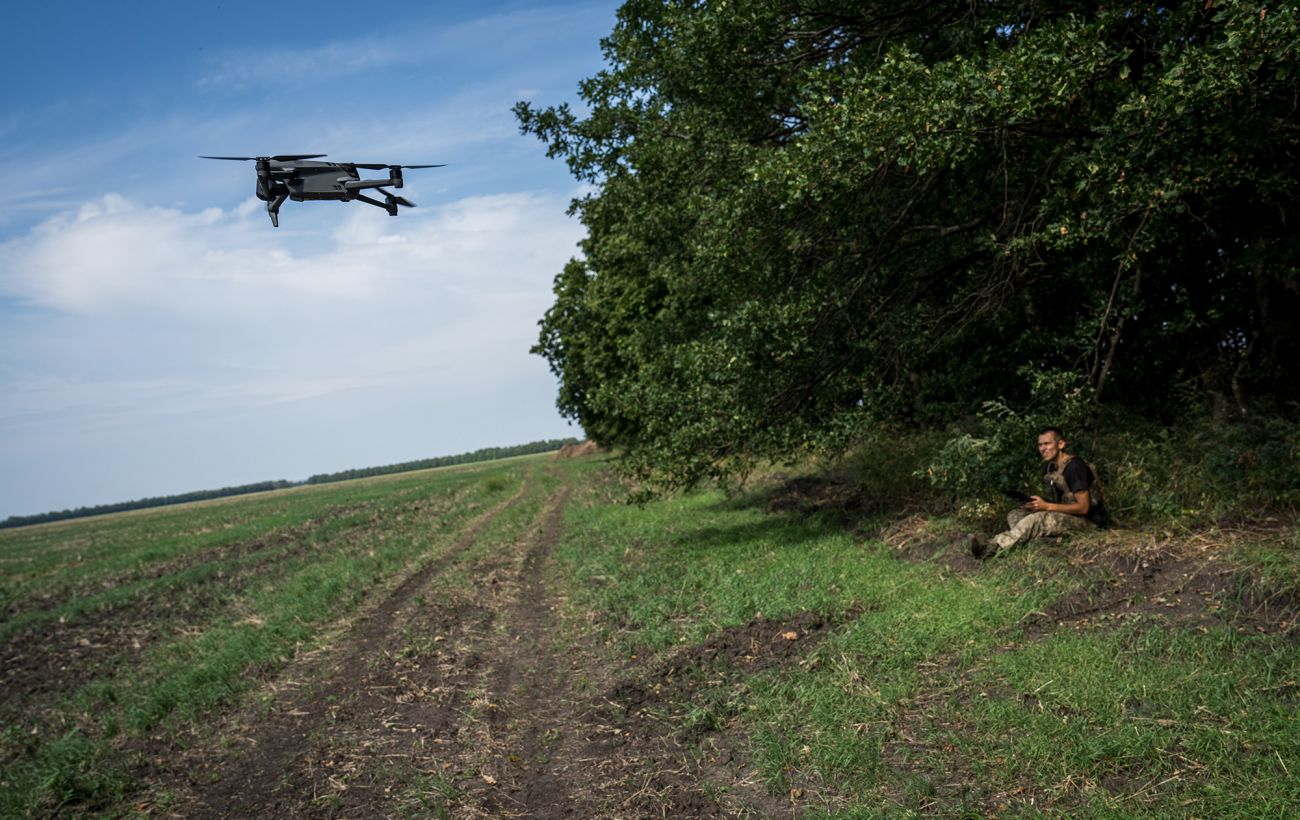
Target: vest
pixel 1057 491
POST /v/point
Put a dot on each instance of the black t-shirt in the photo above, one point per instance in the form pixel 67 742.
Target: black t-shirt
pixel 1079 478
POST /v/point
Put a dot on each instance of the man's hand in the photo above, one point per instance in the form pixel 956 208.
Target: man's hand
pixel 1082 503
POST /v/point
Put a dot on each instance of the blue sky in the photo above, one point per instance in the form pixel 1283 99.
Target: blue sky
pixel 157 335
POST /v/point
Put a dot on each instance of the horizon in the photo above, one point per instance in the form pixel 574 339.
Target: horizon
pixel 73 513
pixel 159 334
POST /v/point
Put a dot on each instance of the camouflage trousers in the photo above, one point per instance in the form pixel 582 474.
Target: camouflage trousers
pixel 1024 525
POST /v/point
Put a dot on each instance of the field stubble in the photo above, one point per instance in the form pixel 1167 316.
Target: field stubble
pixel 515 641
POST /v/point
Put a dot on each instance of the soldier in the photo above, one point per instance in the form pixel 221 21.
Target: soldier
pixel 1071 500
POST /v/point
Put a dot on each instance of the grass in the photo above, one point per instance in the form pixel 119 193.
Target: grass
pixel 1142 717
pixel 931 695
pixel 345 543
pixel 935 688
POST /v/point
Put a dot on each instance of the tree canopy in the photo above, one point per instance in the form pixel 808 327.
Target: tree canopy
pixel 810 215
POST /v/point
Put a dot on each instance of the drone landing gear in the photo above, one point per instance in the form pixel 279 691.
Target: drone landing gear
pixel 273 208
pixel 390 203
pixel 391 200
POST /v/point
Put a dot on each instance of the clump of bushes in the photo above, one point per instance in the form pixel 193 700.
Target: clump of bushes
pixel 1197 471
pixel 1203 470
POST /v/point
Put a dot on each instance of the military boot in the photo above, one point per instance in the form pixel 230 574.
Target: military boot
pixel 980 547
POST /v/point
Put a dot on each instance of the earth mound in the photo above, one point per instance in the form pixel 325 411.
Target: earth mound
pixel 584 448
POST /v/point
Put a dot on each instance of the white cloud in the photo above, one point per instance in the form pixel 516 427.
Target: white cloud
pixel 170 312
pixel 153 343
pixel 111 254
pixel 291 66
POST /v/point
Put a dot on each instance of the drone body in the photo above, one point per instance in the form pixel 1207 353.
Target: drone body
pixel 300 178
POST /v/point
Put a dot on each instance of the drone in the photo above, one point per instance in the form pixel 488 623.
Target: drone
pixel 297 177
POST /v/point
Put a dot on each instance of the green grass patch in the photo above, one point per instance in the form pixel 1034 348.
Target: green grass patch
pixel 929 696
pixel 366 536
pixel 1140 719
pixel 928 692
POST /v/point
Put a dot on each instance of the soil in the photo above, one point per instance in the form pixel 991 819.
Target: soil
pixel 807 495
pixel 477 698
pixel 47 659
pixel 584 448
pixel 467 691
pixel 1189 591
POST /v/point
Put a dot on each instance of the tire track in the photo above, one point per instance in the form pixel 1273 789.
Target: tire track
pixel 563 730
pixel 524 689
pixel 482 702
pixel 259 781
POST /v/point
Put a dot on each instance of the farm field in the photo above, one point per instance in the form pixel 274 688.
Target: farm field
pixel 512 639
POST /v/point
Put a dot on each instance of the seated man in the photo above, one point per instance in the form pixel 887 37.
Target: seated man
pixel 1071 500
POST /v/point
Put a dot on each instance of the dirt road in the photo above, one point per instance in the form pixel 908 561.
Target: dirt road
pixel 462 693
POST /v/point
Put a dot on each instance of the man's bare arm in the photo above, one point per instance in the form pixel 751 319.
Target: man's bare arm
pixel 1082 503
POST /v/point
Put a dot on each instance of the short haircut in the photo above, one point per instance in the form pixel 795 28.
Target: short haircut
pixel 1056 431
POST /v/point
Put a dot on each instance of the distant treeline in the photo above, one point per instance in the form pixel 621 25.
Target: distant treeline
pixel 485 454
pixel 159 501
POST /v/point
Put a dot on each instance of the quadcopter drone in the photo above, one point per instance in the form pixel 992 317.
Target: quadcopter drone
pixel 296 177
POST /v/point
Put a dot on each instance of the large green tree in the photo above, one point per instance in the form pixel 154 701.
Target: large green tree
pixel 811 214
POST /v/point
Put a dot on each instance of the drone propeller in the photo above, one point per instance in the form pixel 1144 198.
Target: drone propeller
pixel 379 166
pixel 278 158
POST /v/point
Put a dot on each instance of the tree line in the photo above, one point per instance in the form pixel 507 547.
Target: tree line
pixel 484 454
pixel 144 503
pixel 807 218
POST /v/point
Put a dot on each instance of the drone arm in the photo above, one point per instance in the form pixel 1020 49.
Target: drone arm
pixel 390 206
pixel 362 184
pixel 394 180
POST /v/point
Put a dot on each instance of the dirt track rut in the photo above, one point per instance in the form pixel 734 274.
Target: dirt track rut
pixel 464 694
pixel 283 758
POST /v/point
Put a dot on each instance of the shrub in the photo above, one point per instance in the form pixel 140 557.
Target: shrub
pixel 1200 470
pixel 975 465
pixel 1204 470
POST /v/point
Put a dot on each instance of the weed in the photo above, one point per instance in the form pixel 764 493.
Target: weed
pixel 427 795
pixel 261 578
pixel 932 699
pixel 934 687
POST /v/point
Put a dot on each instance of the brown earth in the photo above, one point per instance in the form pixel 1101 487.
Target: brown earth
pixel 468 693
pixel 584 448
pixel 47 658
